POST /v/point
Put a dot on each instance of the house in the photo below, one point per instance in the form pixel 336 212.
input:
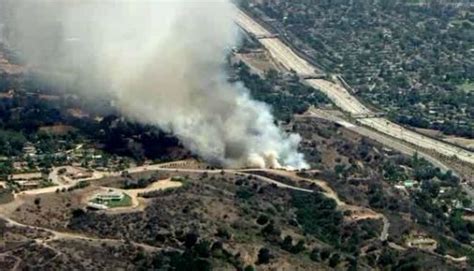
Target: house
pixel 104 200
pixel 33 176
pixel 27 181
pixel 468 211
pixel 110 195
pixel 29 149
pixel 423 243
pixel 20 165
pixel 28 185
pixel 410 184
pixel 80 175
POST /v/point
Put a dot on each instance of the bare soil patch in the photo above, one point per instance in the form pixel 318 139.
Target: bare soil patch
pixel 51 210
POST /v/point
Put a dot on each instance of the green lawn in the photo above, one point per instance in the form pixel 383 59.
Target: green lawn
pixel 125 202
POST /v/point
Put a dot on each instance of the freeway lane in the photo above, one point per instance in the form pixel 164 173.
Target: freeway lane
pixel 342 98
pixel 422 141
pixel 287 57
pixel 392 143
pixel 277 48
pixel 251 25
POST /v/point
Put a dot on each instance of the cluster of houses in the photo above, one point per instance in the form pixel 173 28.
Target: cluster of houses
pixel 34 180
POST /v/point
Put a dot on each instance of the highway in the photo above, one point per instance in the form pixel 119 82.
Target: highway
pixel 342 98
pixel 387 127
pixel 391 142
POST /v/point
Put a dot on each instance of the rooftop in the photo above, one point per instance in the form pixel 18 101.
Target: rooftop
pixel 26 176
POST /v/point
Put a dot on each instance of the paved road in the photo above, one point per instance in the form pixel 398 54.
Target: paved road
pixel 342 98
pixel 390 128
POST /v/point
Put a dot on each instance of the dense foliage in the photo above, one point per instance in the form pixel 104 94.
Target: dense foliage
pixel 318 216
pixel 413 59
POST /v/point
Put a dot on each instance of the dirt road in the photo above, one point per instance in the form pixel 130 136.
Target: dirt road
pixel 164 184
pixel 362 212
pixel 159 167
pixel 57 235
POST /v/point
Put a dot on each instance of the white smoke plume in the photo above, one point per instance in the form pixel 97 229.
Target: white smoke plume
pixel 162 62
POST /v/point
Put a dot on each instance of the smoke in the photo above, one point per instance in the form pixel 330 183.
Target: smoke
pixel 162 63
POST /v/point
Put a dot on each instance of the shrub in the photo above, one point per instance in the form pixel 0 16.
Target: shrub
pixel 264 256
pixel 262 220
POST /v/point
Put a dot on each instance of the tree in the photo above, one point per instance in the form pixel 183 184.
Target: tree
pixel 315 255
pixel 299 247
pixel 191 239
pixel 264 256
pixel 203 249
pixel 431 188
pixel 271 232
pixel 318 216
pixel 262 219
pixel 334 260
pixel 325 253
pixel 223 233
pixel 76 213
pixel 287 243
pixel 387 257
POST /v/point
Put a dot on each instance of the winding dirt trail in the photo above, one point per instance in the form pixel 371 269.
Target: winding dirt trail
pixel 57 235
pixel 360 212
